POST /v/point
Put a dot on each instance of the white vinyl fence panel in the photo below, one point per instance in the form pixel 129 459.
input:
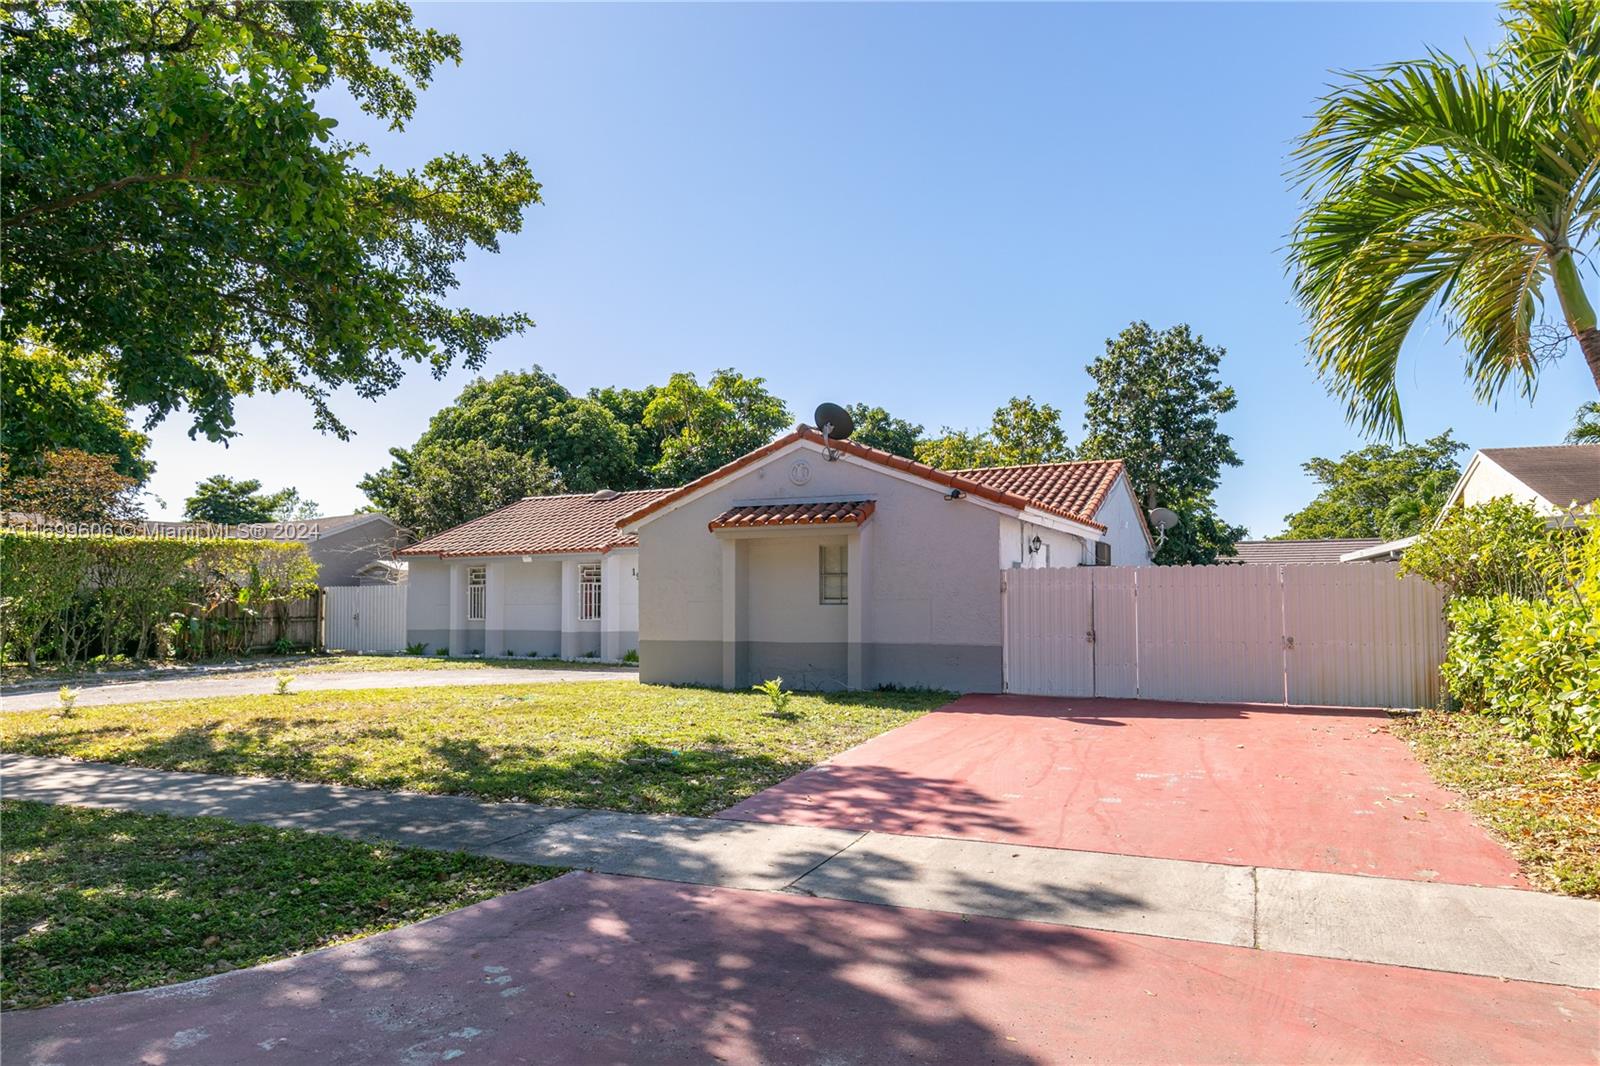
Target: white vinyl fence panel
pixel 1361 637
pixel 365 618
pixel 1337 634
pixel 1049 623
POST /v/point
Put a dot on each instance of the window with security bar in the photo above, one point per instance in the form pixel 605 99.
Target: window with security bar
pixel 589 593
pixel 477 582
pixel 834 574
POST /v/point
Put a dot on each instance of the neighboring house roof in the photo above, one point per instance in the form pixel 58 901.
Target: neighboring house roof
pixel 540 525
pixel 1329 550
pixel 1561 473
pixel 757 516
pixel 1058 491
pixel 1384 551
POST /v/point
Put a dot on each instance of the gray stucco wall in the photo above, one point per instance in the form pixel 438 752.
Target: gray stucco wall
pixel 932 610
pixel 342 552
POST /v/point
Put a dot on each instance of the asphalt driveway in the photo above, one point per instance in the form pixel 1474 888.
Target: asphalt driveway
pixel 1288 787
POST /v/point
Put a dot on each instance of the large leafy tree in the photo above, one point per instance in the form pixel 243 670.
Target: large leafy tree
pixel 1021 432
pixel 174 201
pixel 706 426
pixel 456 481
pixel 1155 405
pixel 1378 491
pixel 1469 187
pixel 877 428
pixel 230 501
pixel 527 413
pixel 52 403
pixel 70 485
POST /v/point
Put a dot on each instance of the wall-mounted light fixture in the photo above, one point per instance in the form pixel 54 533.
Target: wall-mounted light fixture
pixel 1035 544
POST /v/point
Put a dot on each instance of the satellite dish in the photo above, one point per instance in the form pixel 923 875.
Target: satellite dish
pixel 1163 518
pixel 834 421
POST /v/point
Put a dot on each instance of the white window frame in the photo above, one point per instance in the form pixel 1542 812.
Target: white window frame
pixel 833 585
pixel 590 578
pixel 477 592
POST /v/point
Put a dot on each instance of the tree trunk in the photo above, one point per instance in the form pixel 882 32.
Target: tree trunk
pixel 1579 312
pixel 1589 341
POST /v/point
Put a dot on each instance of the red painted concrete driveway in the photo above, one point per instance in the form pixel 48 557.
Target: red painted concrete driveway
pixel 1258 785
pixel 596 970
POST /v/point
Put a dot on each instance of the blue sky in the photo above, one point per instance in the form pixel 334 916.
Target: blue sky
pixel 931 208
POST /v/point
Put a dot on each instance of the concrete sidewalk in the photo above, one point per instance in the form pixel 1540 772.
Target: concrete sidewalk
pixel 262 682
pixel 1490 932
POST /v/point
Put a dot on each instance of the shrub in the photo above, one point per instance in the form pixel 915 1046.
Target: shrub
pixel 1488 549
pixel 418 648
pixel 631 656
pixel 62 594
pixel 1535 663
pixel 772 688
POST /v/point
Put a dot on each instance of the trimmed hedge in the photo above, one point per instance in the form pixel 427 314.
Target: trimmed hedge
pixel 70 597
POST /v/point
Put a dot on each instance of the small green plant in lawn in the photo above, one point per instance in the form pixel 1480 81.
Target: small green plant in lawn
pixel 419 648
pixel 631 656
pixel 69 699
pixel 773 689
pixel 283 681
pixel 283 646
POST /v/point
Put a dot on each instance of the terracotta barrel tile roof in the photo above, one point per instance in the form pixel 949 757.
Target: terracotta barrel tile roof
pixel 1075 490
pixel 986 484
pixel 755 516
pixel 543 525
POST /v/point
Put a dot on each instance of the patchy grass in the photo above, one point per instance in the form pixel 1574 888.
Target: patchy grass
pixel 1545 810
pixel 99 901
pixel 608 744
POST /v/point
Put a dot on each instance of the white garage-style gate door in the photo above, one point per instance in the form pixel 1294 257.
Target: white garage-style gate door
pixel 365 618
pixel 1335 634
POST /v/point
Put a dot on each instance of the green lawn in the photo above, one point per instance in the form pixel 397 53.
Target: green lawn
pixel 1545 810
pixel 94 902
pixel 607 744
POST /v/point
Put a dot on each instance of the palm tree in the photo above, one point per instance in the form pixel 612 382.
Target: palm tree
pixel 1437 185
pixel 1586 424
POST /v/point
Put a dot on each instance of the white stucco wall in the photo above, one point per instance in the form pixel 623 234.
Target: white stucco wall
pixel 530 607
pixel 428 595
pixel 783 593
pixel 1487 480
pixel 1124 531
pixel 1057 549
pixel 930 581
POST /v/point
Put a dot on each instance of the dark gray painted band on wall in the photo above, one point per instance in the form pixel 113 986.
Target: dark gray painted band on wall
pixel 959 667
pixel 433 638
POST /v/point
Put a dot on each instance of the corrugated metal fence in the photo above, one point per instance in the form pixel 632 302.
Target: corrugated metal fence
pixel 1337 634
pixel 365 618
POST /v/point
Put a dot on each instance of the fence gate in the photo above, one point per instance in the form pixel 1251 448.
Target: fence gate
pixel 365 618
pixel 1340 634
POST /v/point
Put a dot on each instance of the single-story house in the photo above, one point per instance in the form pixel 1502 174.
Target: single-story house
pixel 547 575
pixel 349 549
pixel 835 565
pixel 1551 478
